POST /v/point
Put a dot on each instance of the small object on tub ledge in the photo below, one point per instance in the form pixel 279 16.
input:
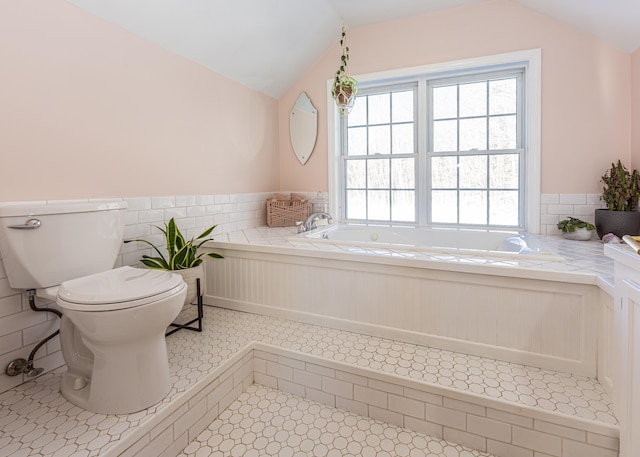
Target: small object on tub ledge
pixel 576 229
pixel 285 213
pixel 611 238
pixel 633 241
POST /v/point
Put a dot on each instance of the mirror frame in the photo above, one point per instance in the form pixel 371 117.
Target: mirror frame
pixel 303 127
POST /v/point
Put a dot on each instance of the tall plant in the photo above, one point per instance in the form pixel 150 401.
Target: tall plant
pixel 345 87
pixel 621 188
pixel 181 253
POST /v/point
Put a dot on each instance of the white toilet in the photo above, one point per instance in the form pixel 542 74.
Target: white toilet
pixel 112 331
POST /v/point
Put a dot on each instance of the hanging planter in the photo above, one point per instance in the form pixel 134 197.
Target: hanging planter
pixel 345 87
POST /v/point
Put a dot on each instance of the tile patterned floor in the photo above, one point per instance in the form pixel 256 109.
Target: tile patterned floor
pixel 548 390
pixel 267 422
pixel 36 420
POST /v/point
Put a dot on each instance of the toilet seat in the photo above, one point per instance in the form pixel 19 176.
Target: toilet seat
pixel 121 288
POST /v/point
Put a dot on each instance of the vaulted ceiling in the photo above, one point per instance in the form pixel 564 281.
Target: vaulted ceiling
pixel 269 44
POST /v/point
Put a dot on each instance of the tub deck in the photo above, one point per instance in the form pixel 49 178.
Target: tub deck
pixel 585 261
pixel 428 390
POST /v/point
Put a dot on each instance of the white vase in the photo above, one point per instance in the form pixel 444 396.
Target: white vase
pixel 579 234
pixel 189 276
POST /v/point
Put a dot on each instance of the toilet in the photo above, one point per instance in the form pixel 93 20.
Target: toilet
pixel 114 320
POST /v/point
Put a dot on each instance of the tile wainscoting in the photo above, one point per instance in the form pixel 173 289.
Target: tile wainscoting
pixel 555 207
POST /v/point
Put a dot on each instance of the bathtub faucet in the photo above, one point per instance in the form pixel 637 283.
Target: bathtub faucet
pixel 310 224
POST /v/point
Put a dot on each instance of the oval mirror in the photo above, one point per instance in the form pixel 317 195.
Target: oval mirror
pixel 303 127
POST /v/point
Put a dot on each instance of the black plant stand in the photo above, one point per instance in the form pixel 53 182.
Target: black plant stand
pixel 187 325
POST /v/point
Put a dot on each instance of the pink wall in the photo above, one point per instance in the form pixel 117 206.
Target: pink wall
pixel 88 110
pixel 586 86
pixel 635 109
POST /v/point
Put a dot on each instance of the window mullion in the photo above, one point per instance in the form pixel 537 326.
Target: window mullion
pixel 423 182
pixel 389 159
pixel 488 146
pixel 488 186
pixel 366 167
pixel 458 158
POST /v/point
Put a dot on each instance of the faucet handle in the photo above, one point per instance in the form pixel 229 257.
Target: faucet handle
pixel 301 228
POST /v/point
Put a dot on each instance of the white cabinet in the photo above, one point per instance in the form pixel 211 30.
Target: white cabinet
pixel 627 332
pixel 605 341
pixel 633 416
pixel 626 347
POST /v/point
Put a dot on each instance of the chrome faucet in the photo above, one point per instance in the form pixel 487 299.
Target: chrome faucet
pixel 310 224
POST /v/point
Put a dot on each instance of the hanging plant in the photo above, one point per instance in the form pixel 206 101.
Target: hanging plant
pixel 345 87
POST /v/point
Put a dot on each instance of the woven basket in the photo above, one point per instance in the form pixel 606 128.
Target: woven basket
pixel 285 213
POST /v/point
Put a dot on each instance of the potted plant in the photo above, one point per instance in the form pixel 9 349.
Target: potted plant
pixel 620 193
pixel 182 256
pixel 345 87
pixel 576 229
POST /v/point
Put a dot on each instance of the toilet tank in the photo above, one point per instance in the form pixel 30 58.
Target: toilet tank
pixel 43 245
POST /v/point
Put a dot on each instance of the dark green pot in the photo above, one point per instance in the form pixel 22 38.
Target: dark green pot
pixel 619 223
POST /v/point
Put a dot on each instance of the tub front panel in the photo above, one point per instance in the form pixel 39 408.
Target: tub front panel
pixel 541 323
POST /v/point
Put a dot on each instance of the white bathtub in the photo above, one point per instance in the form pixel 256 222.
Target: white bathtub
pixel 495 309
pixel 454 241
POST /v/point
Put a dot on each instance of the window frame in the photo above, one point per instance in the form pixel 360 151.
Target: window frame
pixel 530 60
pixel 374 90
pixel 505 72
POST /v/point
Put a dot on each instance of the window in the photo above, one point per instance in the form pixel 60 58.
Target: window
pixel 380 157
pixel 475 153
pixel 449 147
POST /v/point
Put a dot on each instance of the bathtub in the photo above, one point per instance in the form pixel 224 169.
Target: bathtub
pixel 537 315
pixel 489 243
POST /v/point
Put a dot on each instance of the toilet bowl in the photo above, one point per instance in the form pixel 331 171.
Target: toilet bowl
pixel 112 337
pixel 112 331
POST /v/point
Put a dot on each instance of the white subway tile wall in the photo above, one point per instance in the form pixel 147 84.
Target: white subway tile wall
pixel 556 207
pixel 193 214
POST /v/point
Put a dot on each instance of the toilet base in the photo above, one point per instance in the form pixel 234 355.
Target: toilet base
pixel 142 380
pixel 117 360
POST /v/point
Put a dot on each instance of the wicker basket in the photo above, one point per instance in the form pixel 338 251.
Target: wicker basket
pixel 285 213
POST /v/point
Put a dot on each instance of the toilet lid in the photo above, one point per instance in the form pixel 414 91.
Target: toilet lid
pixel 123 287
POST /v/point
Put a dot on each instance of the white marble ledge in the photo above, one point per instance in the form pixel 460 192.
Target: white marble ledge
pixel 585 260
pixel 624 254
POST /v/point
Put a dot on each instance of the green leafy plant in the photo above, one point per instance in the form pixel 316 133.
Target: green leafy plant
pixel 345 87
pixel 571 224
pixel 181 253
pixel 621 188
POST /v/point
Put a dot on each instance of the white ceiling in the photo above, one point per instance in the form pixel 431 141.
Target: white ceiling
pixel 269 44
